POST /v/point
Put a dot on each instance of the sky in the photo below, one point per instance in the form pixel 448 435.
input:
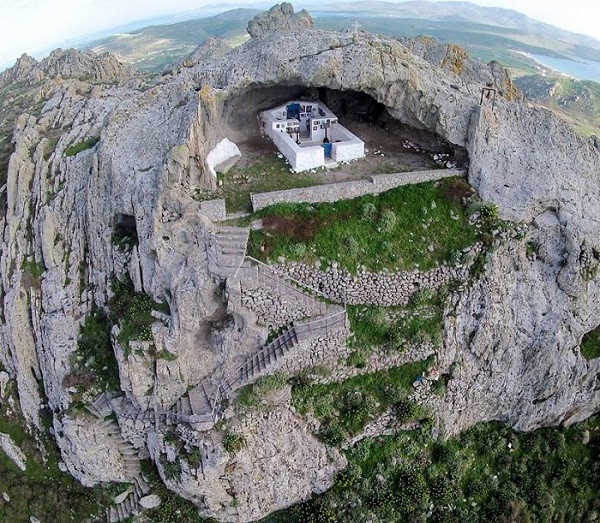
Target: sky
pixel 37 26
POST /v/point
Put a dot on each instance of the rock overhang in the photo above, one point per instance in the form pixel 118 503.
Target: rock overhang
pixel 415 92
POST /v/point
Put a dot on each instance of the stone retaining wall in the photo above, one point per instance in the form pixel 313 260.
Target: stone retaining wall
pixel 378 360
pixel 331 352
pixel 347 190
pixel 373 288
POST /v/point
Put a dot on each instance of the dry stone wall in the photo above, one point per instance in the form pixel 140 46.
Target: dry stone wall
pixel 275 310
pixel 380 358
pixel 375 288
pixel 347 190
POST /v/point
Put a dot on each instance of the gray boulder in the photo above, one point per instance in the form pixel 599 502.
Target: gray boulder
pixel 280 17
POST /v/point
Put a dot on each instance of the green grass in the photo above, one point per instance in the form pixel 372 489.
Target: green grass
pixel 490 473
pixel 344 408
pixel 415 226
pixel 397 327
pixel 269 173
pixel 251 395
pixel 33 268
pixel 590 345
pixel 81 146
pixel 93 365
pixel 133 312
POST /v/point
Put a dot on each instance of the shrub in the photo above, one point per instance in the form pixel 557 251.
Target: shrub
pixel 233 442
pixel 352 246
pixel 489 211
pixel 590 345
pixel 171 469
pixel 81 146
pixel 133 311
pixel 387 221
pixel 94 363
pixel 332 433
pixel 369 212
pixel 422 296
pixel 412 489
pixel 298 250
pixel 406 410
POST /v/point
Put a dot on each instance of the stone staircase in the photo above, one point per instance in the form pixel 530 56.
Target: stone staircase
pixel 103 409
pixel 130 454
pixel 275 298
pixel 323 326
pixel 226 248
pixel 263 360
pixel 259 363
pixel 200 406
pixel 130 505
pixel 195 407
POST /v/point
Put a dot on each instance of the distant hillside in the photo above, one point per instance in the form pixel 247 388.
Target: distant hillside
pixel 486 33
pixel 575 101
pixel 153 48
pixel 467 12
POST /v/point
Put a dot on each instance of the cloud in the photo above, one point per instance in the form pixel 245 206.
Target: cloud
pixel 36 26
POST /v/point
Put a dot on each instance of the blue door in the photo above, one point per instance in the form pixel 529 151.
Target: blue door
pixel 293 111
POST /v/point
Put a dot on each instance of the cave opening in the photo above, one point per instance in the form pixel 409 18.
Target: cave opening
pixel 125 231
pixel 399 145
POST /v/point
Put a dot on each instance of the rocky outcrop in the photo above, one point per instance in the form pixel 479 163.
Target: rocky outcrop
pixel 514 336
pixel 94 451
pixel 266 472
pixel 20 71
pixel 511 338
pixel 210 49
pixel 454 59
pixel 69 63
pixel 13 451
pixel 280 17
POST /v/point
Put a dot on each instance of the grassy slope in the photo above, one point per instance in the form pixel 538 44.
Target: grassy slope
pixel 490 473
pixel 152 48
pixel 427 227
pixel 575 101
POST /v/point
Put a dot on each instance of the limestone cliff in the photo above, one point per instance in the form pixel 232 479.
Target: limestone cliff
pixel 68 63
pixel 106 155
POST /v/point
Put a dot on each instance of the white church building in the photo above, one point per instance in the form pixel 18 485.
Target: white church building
pixel 309 135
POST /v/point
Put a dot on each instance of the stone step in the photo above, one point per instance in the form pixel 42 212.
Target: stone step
pixel 128 450
pixel 184 406
pixel 231 250
pixel 114 515
pixel 141 484
pixel 199 402
pixel 232 231
pixel 231 239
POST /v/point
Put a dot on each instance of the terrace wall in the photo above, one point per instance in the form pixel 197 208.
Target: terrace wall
pixel 348 190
